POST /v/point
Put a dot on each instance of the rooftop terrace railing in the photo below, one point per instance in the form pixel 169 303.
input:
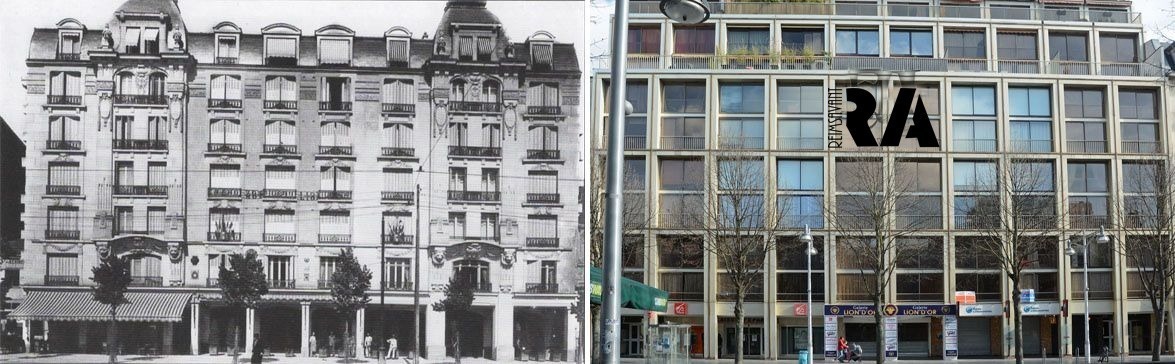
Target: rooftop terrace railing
pixel 906 10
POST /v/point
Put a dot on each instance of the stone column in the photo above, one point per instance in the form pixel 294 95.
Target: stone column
pixel 168 333
pixel 360 332
pixel 434 339
pixel 504 328
pixel 194 330
pixel 305 329
pixel 250 328
pixel 573 334
pixel 82 335
pixel 26 334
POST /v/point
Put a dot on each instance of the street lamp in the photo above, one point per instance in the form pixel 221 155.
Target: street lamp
pixel 1102 238
pixel 806 238
pixel 685 11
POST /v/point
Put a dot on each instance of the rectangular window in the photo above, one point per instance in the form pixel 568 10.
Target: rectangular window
pixel 335 178
pixel 693 39
pixel 682 174
pixel 965 44
pixel 1119 48
pixel 399 273
pixel 1030 101
pixel 741 98
pixel 974 135
pixel 334 90
pixel 801 133
pixel 1016 46
pixel 64 128
pixel 61 265
pixel 975 176
pixel 124 173
pixel 1087 177
pixel 399 91
pixel 282 88
pixel 685 97
pixel 973 101
pixel 281 47
pixel 280 132
pixel 1068 47
pixel 226 47
pixel 334 51
pixel 124 220
pixel 62 220
pixel 1084 103
pixel 1138 104
pixel 131 40
pixel 644 39
pixel 225 131
pixel 911 43
pixel 547 94
pixel 150 40
pixel 398 51
pixel 800 175
pixel 65 84
pixel 748 40
pixel 65 177
pixel 1086 136
pixel 335 134
pixel 280 222
pixel 741 133
pixel 157 173
pixel 683 133
pixel 225 87
pixel 224 224
pixel 279 178
pixel 801 99
pixel 803 40
pixel 857 42
pixel 156 219
pixel 70 43
pixel 280 271
pixel 740 174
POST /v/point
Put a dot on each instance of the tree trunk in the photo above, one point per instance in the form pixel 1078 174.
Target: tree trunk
pixel 738 328
pixel 348 345
pixel 112 335
pixel 456 343
pixel 236 339
pixel 1159 328
pixel 1018 325
pixel 880 331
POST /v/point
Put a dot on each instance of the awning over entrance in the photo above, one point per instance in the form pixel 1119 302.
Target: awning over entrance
pixel 633 294
pixel 80 306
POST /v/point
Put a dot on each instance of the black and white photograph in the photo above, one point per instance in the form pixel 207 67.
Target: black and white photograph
pixel 297 181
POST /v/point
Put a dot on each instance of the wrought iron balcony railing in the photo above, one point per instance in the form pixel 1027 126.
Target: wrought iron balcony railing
pixel 140 99
pixel 281 104
pixel 140 144
pixel 147 281
pixel 475 196
pixel 334 238
pixel 334 195
pixel 224 192
pixel 235 148
pixel 281 61
pixel 397 108
pixel 398 196
pixel 280 149
pixel 475 106
pixel 472 151
pixel 63 190
pixel 542 288
pixel 483 287
pixel 335 150
pixel 399 239
pixel 399 286
pixel 64 100
pixel 282 194
pixel 213 282
pixel 397 152
pixel 543 154
pixel 905 10
pixel 134 190
pixel 280 237
pixel 63 145
pixel 543 198
pixel 282 283
pixel 56 234
pixel 224 236
pixel 52 280
pixel 224 103
pixel 69 56
pixel 334 105
pixel 542 242
pixel 544 110
pixel 325 284
pixel 226 60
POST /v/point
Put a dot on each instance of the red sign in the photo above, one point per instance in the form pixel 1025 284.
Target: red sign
pixel 800 309
pixel 680 308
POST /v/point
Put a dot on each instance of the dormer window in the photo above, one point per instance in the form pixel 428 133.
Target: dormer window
pixel 227 49
pixel 475 48
pixel 138 40
pixel 281 51
pixel 334 51
pixel 70 46
pixel 541 54
pixel 398 52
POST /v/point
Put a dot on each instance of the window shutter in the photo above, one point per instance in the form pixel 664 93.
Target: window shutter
pixel 334 51
pixel 281 47
pixel 130 39
pixel 398 50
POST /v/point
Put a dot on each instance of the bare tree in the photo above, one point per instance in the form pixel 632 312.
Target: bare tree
pixel 877 209
pixel 734 228
pixel 1145 218
pixel 634 213
pixel 1019 233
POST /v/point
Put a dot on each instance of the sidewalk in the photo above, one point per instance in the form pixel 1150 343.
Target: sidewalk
pixel 207 359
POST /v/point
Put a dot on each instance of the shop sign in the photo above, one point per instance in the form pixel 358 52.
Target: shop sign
pixel 950 337
pixel 800 309
pixel 925 310
pixel 680 308
pixel 981 309
pixel 830 336
pixel 849 310
pixel 891 337
pixel 1040 309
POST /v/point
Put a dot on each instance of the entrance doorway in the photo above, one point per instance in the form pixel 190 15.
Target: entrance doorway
pixel 913 340
pixel 795 339
pixel 752 341
pixel 471 326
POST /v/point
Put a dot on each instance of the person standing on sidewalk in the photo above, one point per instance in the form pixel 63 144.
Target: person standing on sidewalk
pixel 258 349
pixel 392 350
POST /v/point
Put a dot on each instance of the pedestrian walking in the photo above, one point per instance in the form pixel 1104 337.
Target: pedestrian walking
pixel 367 348
pixel 258 349
pixel 314 344
pixel 842 350
pixel 331 340
pixel 393 351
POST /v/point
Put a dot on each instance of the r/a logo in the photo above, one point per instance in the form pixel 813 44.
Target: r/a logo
pixel 858 119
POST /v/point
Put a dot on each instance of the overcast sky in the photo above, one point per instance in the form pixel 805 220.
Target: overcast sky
pixel 521 19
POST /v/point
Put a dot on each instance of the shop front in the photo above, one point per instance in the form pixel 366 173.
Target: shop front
pixel 753 337
pixel 151 323
pixel 980 330
pixel 908 331
pixel 1041 329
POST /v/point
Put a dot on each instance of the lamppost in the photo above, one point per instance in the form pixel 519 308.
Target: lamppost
pixel 1102 238
pixel 806 238
pixel 685 11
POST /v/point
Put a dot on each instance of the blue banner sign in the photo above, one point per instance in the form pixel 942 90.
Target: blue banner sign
pixel 849 310
pixel 891 310
pixel 926 310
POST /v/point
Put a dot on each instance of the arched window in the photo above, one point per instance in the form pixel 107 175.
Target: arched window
pixel 126 84
pixel 474 272
pixel 457 90
pixel 145 270
pixel 490 90
pixel 155 84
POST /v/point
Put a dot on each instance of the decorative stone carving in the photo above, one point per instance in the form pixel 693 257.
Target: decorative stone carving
pixel 508 258
pixel 103 249
pixel 107 38
pixel 438 256
pixel 177 40
pixel 175 252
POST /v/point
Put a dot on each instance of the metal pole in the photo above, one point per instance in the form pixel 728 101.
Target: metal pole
pixel 610 320
pixel 1085 275
pixel 808 255
pixel 416 285
pixel 383 236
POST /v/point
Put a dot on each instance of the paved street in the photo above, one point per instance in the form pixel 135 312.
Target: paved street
pixel 205 359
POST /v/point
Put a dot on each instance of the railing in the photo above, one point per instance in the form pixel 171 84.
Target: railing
pixel 61 280
pixel 542 288
pixel 63 190
pixel 798 296
pixel 1032 146
pixel 919 221
pixel 64 100
pixel 397 152
pixel 399 239
pixel 400 63
pixel 62 234
pixel 1132 146
pixel 799 221
pixel 545 154
pixel 282 283
pixel 335 150
pixel 281 104
pixel 224 236
pixel 399 108
pixel 281 61
pixel 224 103
pixel 980 11
pixel 399 286
pixel 1088 221
pixel 542 242
pixel 542 197
pixel 280 149
pixel 1086 146
pixel 397 196
pixel 285 194
pixel 460 235
pixel 140 144
pixel 334 195
pixel 325 284
pixel 1018 66
pixel 686 295
pixel 334 62
pixel 334 105
pixel 1068 67
pixel 544 110
pixel 636 142
pixel 223 192
pixel 974 145
pixel 140 99
pixel 147 281
pixel 740 142
pixel 475 196
pixel 475 106
pixel 1149 221
pixel 280 238
pixel 472 151
pixel 483 287
pixel 1036 221
pixel 683 142
pixel 69 56
pixel 63 145
pixel 225 148
pixel 679 220
pixel 149 190
pixel 801 143
pixel 753 296
pixel 334 238
pixel 977 222
pixel 226 60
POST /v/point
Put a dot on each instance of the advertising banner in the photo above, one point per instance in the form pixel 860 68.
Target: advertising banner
pixel 950 337
pixel 830 336
pixel 981 309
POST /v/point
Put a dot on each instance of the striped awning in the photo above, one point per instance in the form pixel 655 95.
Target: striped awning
pixel 80 306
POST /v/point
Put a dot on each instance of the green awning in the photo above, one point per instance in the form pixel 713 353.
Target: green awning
pixel 633 294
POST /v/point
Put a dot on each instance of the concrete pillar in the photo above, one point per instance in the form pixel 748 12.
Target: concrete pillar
pixel 194 329
pixel 504 328
pixel 360 331
pixel 250 328
pixel 82 334
pixel 305 351
pixel 572 337
pixel 45 330
pixel 434 339
pixel 26 334
pixel 168 334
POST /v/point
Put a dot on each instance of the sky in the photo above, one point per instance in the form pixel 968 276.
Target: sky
pixel 564 19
